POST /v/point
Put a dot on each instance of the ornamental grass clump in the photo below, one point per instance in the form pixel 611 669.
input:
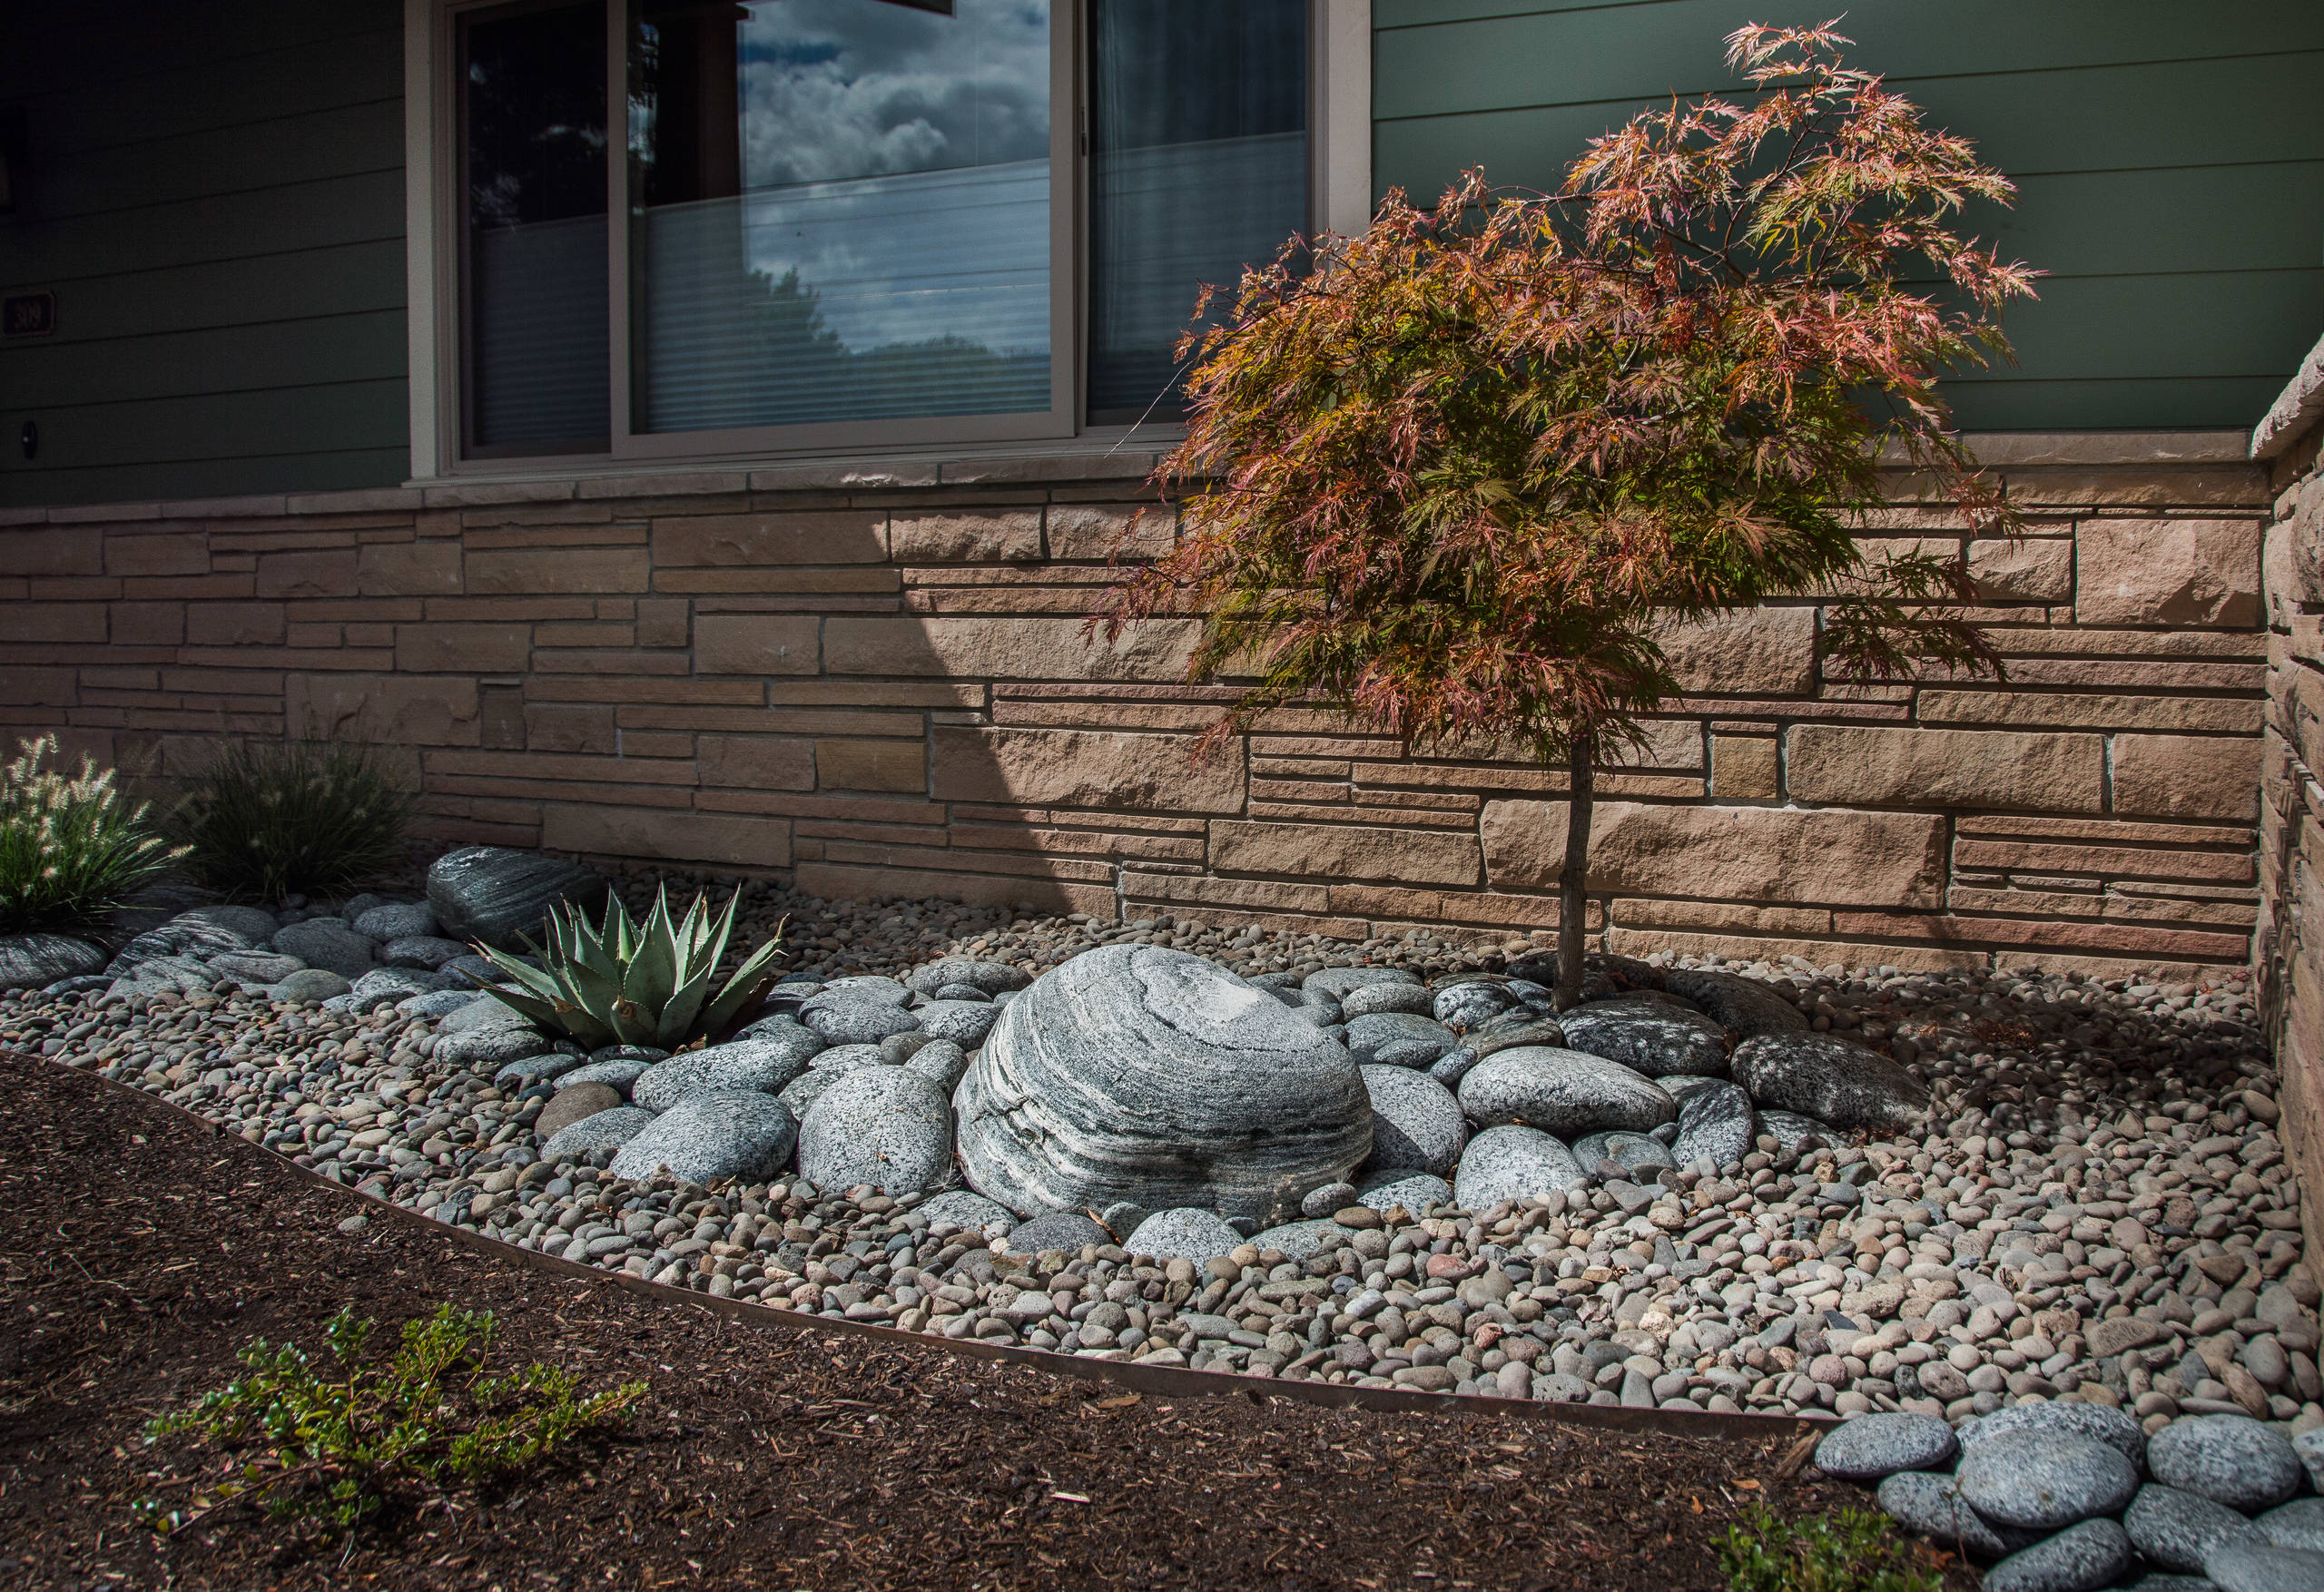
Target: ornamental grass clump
pixel 326 1448
pixel 623 983
pixel 266 820
pixel 72 849
pixel 1464 478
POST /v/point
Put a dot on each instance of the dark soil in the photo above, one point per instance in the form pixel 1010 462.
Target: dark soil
pixel 139 1250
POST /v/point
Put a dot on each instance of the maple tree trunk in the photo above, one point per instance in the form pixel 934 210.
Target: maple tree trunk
pixel 1573 900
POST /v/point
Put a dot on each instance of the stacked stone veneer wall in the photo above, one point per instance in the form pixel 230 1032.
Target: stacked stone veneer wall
pixel 2291 950
pixel 876 680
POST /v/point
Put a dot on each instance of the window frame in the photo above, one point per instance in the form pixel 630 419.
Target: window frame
pixel 1339 156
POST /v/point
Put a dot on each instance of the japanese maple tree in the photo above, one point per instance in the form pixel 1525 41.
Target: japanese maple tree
pixel 1460 473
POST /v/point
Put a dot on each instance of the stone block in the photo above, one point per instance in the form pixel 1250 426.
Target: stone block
pixel 1755 651
pixel 408 569
pixel 1337 851
pixel 81 622
pixel 675 837
pixel 326 571
pixel 2238 715
pixel 543 571
pixel 234 624
pixel 180 552
pixel 1004 648
pixel 575 727
pixel 1735 853
pixel 823 536
pixel 2187 776
pixel 47 551
pixel 383 709
pixel 756 762
pixel 147 625
pixel 1087 768
pixel 486 649
pixel 1743 767
pixel 755 643
pixel 996 537
pixel 1099 532
pixel 870 765
pixel 39 686
pixel 1890 766
pixel 2034 569
pixel 2168 572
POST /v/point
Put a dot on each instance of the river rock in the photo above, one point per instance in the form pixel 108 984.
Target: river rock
pixel 320 984
pixel 1299 1240
pixel 1874 1445
pixel 420 950
pixel 2247 1567
pixel 263 967
pixel 992 977
pixel 1398 1039
pixel 1563 1091
pixel 1651 1038
pixel 1189 1231
pixel 1471 1003
pixel 964 1207
pixel 1833 1080
pixel 329 944
pixel 604 1130
pixel 1416 1192
pixel 1715 1124
pixel 2177 1530
pixel 1371 999
pixel 1630 1151
pixel 1067 1230
pixel 499 896
pixel 575 1103
pixel 397 920
pixel 620 1076
pixel 2083 1558
pixel 1512 1163
pixel 1927 1503
pixel 252 925
pixel 2044 1480
pixel 33 961
pixel 855 1021
pixel 884 1125
pixel 964 1022
pixel 941 1062
pixel 1141 1074
pixel 1792 1132
pixel 2298 1524
pixel 1745 1005
pixel 2230 1459
pixel 737 1133
pixel 764 1065
pixel 2114 1427
pixel 1335 983
pixel 2309 1447
pixel 1416 1123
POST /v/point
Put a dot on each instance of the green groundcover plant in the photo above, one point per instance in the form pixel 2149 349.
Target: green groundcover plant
pixel 1462 476
pixel 1851 1550
pixel 72 849
pixel 623 983
pixel 326 1447
pixel 265 820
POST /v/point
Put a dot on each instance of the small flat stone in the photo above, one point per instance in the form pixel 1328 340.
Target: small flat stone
pixel 2081 1559
pixel 619 1076
pixel 1369 999
pixel 313 984
pixel 421 950
pixel 765 1063
pixel 1299 1240
pixel 2179 1529
pixel 2043 1481
pixel 1715 1124
pixel 1874 1445
pixel 990 977
pixel 855 1021
pixel 1328 1200
pixel 2230 1459
pixel 1337 982
pixel 964 1022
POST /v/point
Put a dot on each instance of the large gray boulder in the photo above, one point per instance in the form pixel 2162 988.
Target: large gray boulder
pixel 32 962
pixel 1563 1091
pixel 884 1125
pixel 1138 1074
pixel 738 1132
pixel 1745 1005
pixel 1650 1037
pixel 1416 1123
pixel 1834 1081
pixel 495 894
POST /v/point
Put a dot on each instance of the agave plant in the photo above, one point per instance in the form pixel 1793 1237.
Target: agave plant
pixel 621 983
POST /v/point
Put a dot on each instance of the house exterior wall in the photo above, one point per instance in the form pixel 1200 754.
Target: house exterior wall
pixel 2291 944
pixel 2169 161
pixel 214 193
pixel 874 680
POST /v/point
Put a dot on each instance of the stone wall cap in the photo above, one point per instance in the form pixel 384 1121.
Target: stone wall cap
pixel 2019 449
pixel 2296 410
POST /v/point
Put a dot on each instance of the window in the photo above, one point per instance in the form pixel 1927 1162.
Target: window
pixel 845 224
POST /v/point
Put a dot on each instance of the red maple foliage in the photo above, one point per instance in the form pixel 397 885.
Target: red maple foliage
pixel 1460 474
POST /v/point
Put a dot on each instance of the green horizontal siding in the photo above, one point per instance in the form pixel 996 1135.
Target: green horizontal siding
pixel 217 203
pixel 2170 159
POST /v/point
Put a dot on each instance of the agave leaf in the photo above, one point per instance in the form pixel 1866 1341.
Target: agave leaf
pixel 749 982
pixel 653 970
pixel 632 1022
pixel 538 1008
pixel 686 1005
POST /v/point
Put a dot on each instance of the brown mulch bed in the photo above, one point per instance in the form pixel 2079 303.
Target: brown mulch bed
pixel 139 1250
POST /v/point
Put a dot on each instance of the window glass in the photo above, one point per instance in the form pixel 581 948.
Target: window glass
pixel 840 210
pixel 1197 167
pixel 532 119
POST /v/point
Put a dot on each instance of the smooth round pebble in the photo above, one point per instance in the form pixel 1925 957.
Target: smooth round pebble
pixel 1873 1446
pixel 2232 1459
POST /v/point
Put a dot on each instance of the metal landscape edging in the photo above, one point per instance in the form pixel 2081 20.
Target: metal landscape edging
pixel 1161 1380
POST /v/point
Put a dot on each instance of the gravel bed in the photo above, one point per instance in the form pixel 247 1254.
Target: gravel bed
pixel 2098 1212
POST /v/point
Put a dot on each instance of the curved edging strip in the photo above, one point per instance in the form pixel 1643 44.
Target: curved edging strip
pixel 1162 1380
